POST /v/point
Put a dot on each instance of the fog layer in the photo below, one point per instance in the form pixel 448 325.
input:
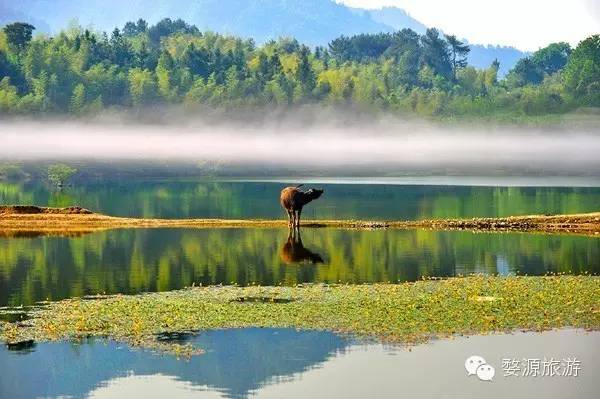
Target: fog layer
pixel 334 145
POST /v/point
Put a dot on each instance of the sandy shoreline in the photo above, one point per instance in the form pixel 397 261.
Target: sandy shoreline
pixel 18 221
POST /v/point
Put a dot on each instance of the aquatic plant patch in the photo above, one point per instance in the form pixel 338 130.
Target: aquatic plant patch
pixel 395 313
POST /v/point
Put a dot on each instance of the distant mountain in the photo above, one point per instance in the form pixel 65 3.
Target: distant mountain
pixel 397 18
pixel 481 56
pixel 314 22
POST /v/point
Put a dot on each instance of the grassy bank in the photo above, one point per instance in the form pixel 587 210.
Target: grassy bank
pixel 395 313
pixel 33 220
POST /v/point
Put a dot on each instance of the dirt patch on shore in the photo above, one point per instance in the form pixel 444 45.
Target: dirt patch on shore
pixel 36 210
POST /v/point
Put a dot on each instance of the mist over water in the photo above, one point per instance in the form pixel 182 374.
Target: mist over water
pixel 384 146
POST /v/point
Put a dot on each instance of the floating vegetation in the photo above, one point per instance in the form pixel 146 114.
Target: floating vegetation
pixel 393 313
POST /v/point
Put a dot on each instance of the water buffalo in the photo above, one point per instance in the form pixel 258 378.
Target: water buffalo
pixel 292 200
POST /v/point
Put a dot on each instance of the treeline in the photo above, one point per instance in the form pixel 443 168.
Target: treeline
pixel 83 72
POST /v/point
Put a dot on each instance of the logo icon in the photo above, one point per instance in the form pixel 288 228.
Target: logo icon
pixel 476 365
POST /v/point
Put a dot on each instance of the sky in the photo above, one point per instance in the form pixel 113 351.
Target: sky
pixel 524 24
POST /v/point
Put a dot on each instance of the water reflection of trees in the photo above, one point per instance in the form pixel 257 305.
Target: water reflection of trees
pixel 131 261
pixel 189 198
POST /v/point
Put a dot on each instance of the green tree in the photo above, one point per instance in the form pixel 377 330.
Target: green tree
pixel 542 63
pixel 60 174
pixel 10 68
pixel 165 77
pixel 263 69
pixel 133 29
pixel 9 99
pixel 406 52
pixel 458 53
pixel 78 99
pixel 121 51
pixel 107 82
pixel 552 58
pixel 19 34
pixel 305 74
pixel 196 60
pixel 233 87
pixel 491 74
pixel 166 27
pixel 436 53
pixel 142 86
pixel 525 72
pixel 582 73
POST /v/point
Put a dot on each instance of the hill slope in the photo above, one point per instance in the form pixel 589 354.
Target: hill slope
pixel 310 21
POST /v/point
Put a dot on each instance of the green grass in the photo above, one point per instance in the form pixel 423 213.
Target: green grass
pixel 395 313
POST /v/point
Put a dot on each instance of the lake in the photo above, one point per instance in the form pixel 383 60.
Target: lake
pixel 275 363
pixel 134 261
pixel 285 363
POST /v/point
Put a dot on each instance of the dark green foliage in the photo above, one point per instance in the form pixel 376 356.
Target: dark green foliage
pixel 553 58
pixel 544 62
pixel 458 53
pixel 436 53
pixel 197 60
pixel 360 47
pixel 132 29
pixel 122 53
pixel 305 74
pixel 365 47
pixel 18 34
pixel 9 69
pixel 527 71
pixel 288 45
pixel 167 27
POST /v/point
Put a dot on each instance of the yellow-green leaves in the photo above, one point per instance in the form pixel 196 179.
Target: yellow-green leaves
pixel 407 313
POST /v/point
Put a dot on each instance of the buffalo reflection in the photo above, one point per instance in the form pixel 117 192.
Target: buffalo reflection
pixel 294 252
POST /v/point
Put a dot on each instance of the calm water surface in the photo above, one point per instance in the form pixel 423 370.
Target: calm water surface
pixel 276 363
pixel 177 198
pixel 283 363
pixel 133 261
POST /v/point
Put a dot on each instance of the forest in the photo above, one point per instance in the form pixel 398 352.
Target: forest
pixel 80 72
